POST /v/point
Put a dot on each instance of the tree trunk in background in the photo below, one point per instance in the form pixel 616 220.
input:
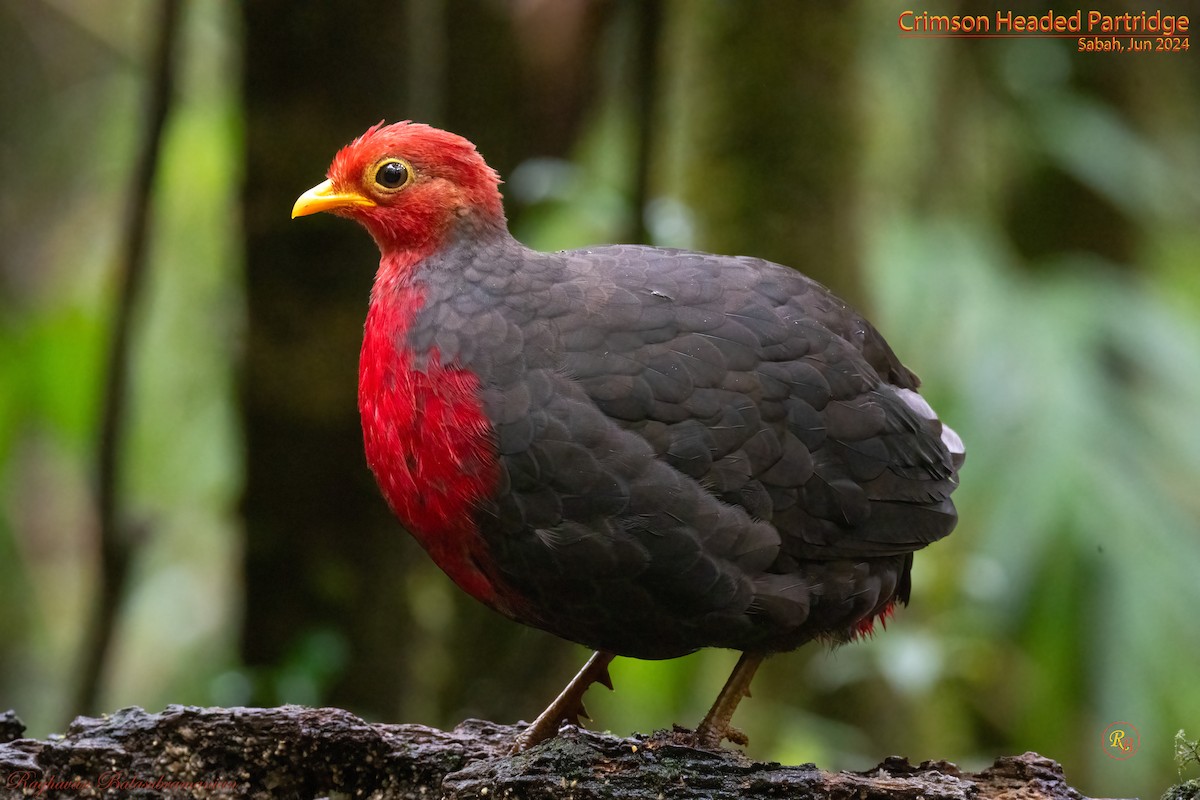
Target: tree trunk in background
pixel 758 85
pixel 341 605
pixel 320 547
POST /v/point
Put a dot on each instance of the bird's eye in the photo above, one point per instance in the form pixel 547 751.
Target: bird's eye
pixel 392 174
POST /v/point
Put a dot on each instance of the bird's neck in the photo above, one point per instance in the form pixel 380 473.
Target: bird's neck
pixel 404 249
pixel 394 281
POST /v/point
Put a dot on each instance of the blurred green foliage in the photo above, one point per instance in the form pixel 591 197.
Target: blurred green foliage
pixel 1026 225
pixel 69 154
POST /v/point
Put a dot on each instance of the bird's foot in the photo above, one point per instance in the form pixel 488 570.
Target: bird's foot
pixel 568 706
pixel 711 738
pixel 706 740
pixel 715 727
pixel 737 736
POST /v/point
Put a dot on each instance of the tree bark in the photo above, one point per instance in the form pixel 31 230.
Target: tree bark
pixel 299 752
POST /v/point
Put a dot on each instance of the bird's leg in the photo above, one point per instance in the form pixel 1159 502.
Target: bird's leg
pixel 715 726
pixel 568 706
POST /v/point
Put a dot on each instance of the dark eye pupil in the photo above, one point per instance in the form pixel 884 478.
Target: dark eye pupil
pixel 392 175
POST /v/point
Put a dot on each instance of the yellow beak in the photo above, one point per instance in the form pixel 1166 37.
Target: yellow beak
pixel 322 197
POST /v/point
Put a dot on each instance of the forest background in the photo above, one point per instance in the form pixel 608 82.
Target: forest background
pixel 1019 218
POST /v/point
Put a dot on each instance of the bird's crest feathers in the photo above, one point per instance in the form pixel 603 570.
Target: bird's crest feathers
pixel 437 151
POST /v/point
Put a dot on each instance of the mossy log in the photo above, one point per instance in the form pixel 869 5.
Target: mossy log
pixel 296 752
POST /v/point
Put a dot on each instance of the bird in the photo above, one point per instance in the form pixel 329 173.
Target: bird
pixel 643 450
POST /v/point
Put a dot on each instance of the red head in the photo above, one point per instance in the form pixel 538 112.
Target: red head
pixel 406 183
